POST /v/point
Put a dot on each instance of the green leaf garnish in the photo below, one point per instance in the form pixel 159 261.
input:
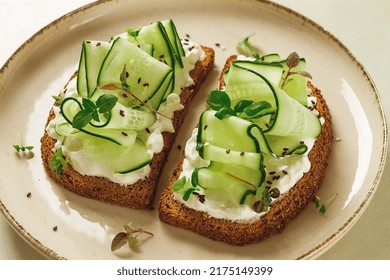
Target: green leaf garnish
pixel 129 236
pixel 256 110
pixel 133 31
pixel 291 62
pixel 188 193
pixel 225 112
pixel 241 105
pixel 218 99
pixel 19 148
pixel 57 162
pixel 104 104
pixel 23 148
pixel 322 207
pixel 179 184
pixel 246 48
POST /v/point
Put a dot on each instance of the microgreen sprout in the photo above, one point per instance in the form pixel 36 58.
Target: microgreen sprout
pixel 322 207
pixel 23 148
pixel 247 109
pixel 247 48
pixel 91 110
pixel 291 62
pixel 57 162
pixel 129 237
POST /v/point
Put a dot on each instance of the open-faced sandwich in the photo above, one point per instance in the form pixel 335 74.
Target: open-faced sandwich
pixel 258 155
pixel 111 128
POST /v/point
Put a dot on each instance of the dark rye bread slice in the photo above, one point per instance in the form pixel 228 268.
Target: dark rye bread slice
pixel 140 194
pixel 281 212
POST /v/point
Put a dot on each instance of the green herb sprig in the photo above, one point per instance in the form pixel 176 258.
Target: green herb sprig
pixel 104 104
pixel 322 207
pixel 129 237
pixel 247 48
pixel 20 147
pixel 247 109
pixel 291 62
pixel 57 162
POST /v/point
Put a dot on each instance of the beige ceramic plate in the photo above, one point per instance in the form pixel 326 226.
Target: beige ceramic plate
pixel 85 228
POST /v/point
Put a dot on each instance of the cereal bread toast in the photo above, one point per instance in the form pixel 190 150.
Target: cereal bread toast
pixel 281 212
pixel 141 193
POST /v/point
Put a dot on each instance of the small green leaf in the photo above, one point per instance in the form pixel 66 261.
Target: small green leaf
pixel 194 177
pixel 241 105
pixel 218 99
pixel 179 184
pixel 128 229
pixel 246 48
pixel 133 31
pixel 17 148
pixel 82 118
pixel 89 105
pixel 322 209
pixel 188 193
pixel 106 103
pixel 257 109
pixel 132 241
pixel 224 113
pixel 57 162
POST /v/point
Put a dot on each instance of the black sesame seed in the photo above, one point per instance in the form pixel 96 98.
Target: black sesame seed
pixel 274 193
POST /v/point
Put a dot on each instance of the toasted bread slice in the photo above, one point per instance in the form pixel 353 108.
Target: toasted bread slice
pixel 173 212
pixel 141 193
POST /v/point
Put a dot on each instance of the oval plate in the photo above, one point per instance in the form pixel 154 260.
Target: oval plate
pixel 85 228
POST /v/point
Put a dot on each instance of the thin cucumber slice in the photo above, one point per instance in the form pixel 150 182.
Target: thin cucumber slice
pixel 291 118
pixel 109 156
pixel 92 56
pixel 242 86
pixel 145 75
pixel 218 154
pixel 175 41
pixel 228 183
pixel 230 133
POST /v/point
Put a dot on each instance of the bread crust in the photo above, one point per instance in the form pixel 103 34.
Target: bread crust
pixel 280 213
pixel 140 194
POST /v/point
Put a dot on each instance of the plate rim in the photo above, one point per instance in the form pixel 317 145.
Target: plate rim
pixel 315 251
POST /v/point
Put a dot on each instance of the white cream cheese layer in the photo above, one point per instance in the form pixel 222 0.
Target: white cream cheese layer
pixel 282 174
pixel 85 165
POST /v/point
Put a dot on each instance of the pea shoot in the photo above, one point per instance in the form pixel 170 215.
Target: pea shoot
pixel 129 237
